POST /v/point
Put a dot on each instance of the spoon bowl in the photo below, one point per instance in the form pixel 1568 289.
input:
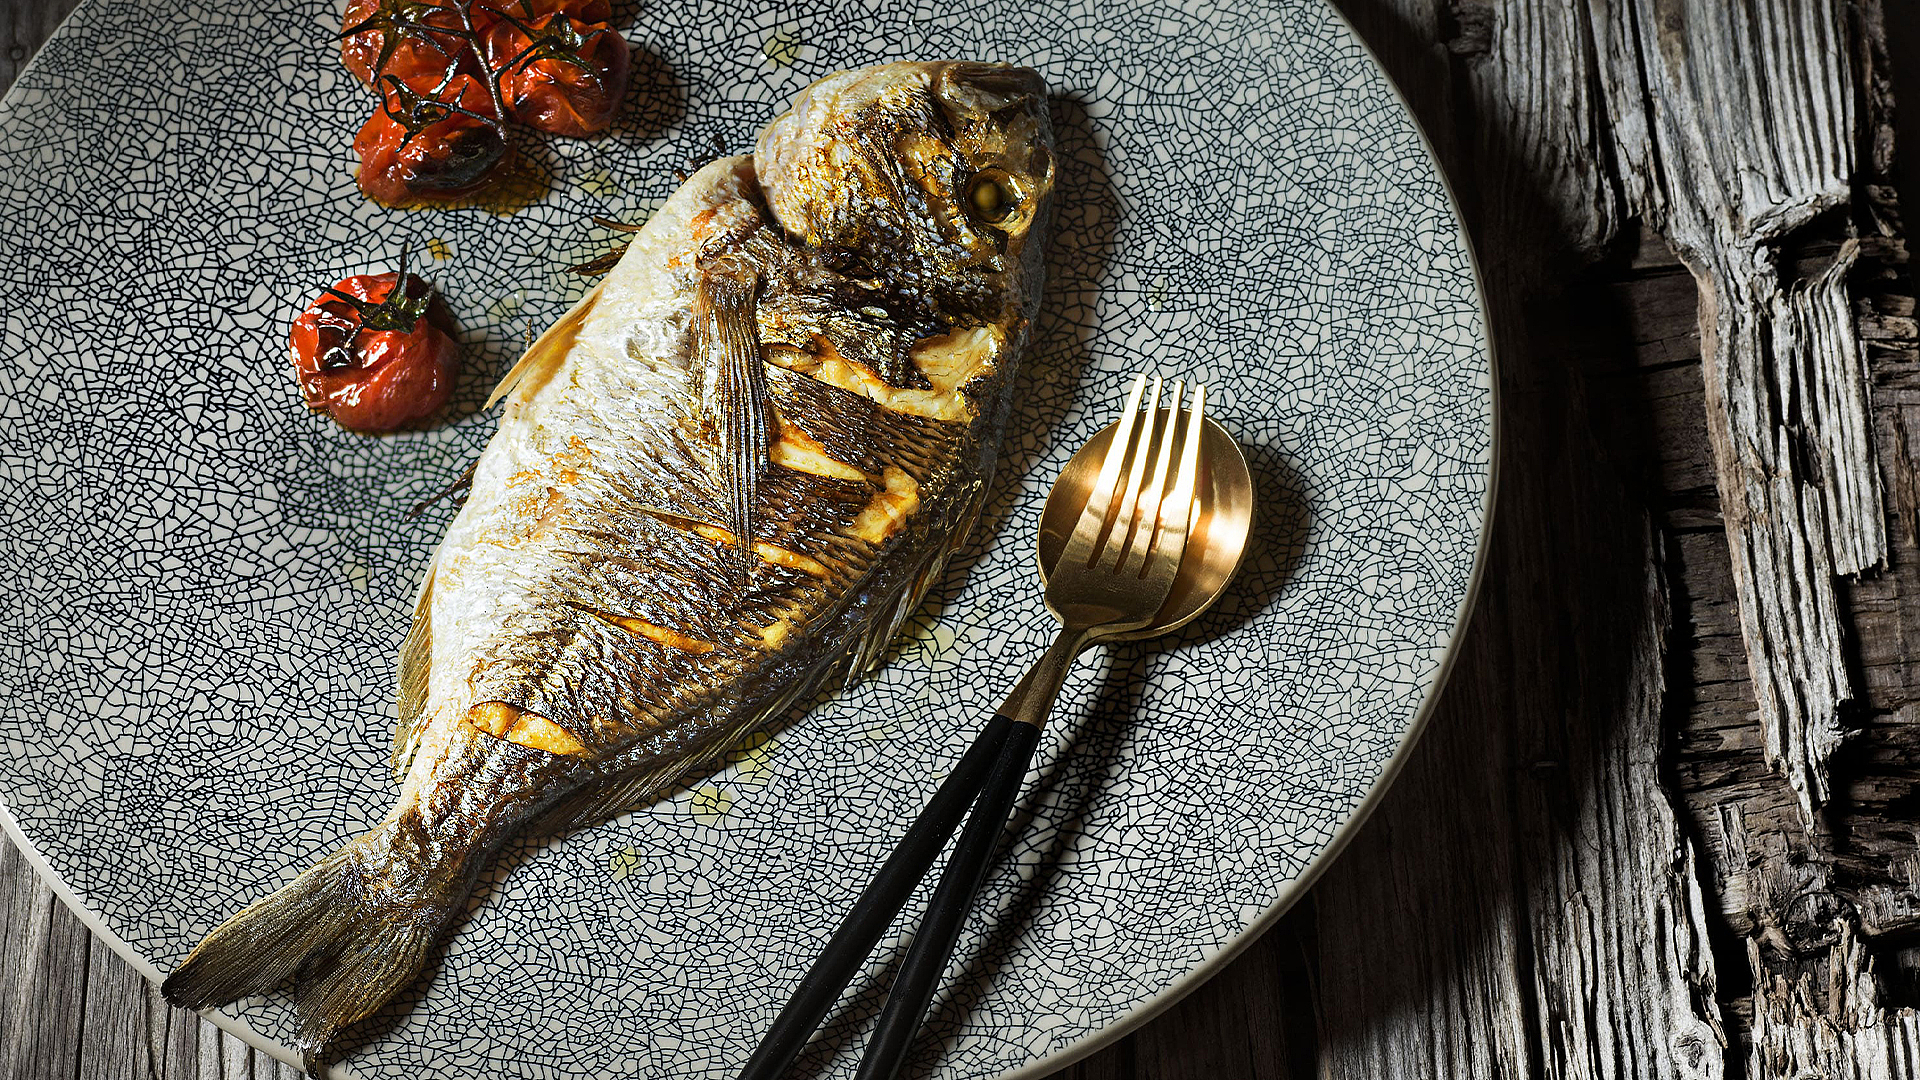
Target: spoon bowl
pixel 1156 554
pixel 1223 520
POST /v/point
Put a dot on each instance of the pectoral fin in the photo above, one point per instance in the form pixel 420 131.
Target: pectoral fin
pixel 733 395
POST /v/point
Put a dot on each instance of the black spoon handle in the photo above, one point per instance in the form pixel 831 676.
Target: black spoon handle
pixel 933 945
pixel 876 907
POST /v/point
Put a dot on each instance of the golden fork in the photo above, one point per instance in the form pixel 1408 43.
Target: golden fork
pixel 1112 579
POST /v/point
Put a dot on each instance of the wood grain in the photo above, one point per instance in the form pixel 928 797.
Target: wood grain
pixel 1742 168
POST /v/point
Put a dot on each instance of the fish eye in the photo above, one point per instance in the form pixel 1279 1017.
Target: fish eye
pixel 991 198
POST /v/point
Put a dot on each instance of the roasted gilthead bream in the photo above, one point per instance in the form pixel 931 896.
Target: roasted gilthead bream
pixel 723 479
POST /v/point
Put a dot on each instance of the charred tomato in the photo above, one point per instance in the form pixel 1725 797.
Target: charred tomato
pixel 557 73
pixel 416 40
pixel 488 12
pixel 428 145
pixel 374 356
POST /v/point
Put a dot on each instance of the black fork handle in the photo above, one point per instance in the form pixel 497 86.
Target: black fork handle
pixel 882 899
pixel 913 988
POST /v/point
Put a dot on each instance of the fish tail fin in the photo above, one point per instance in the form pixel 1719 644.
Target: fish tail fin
pixel 349 933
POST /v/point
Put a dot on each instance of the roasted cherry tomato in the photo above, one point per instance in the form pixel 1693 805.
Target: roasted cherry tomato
pixel 417 40
pixel 422 146
pixel 556 73
pixel 375 357
pixel 488 12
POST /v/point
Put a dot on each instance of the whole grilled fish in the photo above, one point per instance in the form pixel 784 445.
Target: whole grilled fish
pixel 723 479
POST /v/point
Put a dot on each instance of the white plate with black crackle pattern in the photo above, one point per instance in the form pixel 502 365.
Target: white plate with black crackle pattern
pixel 211 582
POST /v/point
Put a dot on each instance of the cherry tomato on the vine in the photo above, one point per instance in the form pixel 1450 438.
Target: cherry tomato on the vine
pixel 417 40
pixel 488 12
pixel 421 146
pixel 557 73
pixel 375 357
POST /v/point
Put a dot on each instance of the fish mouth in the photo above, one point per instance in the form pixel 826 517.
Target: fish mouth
pixel 980 87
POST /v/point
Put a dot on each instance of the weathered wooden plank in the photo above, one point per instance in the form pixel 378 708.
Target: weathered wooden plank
pixel 1524 903
pixel 1838 1031
pixel 1772 878
pixel 28 25
pixel 43 976
pixel 114 1041
pixel 1622 967
pixel 1826 378
pixel 1539 144
pixel 188 1044
pixel 223 1057
pixel 267 1067
pixel 1795 886
pixel 1750 136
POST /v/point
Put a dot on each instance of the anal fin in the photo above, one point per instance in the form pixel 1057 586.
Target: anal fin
pixel 645 782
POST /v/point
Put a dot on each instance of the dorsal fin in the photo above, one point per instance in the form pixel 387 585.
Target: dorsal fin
pixel 733 393
pixel 416 661
pixel 549 349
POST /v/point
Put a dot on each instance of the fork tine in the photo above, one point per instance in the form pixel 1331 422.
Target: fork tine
pixel 1126 517
pixel 1176 514
pixel 1100 500
pixel 1134 557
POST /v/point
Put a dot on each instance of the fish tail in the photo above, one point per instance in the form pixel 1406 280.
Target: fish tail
pixel 349 933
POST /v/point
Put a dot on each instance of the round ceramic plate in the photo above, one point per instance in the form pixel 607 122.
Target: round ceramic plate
pixel 211 583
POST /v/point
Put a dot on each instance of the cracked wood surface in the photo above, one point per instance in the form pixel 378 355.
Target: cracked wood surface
pixel 1662 823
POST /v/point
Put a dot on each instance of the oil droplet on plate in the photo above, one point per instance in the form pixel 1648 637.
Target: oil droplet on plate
pixel 753 761
pixel 710 804
pixel 624 863
pixel 782 47
pixel 598 183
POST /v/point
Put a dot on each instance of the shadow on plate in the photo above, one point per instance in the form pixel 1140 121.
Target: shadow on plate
pixel 1071 784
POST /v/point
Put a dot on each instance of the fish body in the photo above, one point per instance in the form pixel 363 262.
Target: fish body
pixel 722 481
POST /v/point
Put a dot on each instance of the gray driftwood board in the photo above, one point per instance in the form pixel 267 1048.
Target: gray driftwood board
pixel 1663 824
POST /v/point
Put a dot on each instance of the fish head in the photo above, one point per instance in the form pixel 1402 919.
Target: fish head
pixel 930 176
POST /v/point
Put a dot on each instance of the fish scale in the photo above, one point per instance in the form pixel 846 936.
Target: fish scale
pixel 721 482
pixel 860 432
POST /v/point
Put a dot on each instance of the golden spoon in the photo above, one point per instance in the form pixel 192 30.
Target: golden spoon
pixel 1141 533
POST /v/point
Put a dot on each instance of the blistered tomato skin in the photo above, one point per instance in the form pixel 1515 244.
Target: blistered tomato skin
pixel 488 12
pixel 558 74
pixel 368 378
pixel 421 40
pixel 424 147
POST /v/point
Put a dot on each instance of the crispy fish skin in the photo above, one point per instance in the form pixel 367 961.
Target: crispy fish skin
pixel 721 481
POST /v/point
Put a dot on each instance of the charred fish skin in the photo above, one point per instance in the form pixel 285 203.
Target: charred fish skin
pixel 723 480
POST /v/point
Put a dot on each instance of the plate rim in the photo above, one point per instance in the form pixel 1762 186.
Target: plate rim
pixel 1200 973
pixel 1175 991
pixel 1197 976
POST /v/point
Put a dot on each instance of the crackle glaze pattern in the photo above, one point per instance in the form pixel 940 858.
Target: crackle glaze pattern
pixel 210 583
